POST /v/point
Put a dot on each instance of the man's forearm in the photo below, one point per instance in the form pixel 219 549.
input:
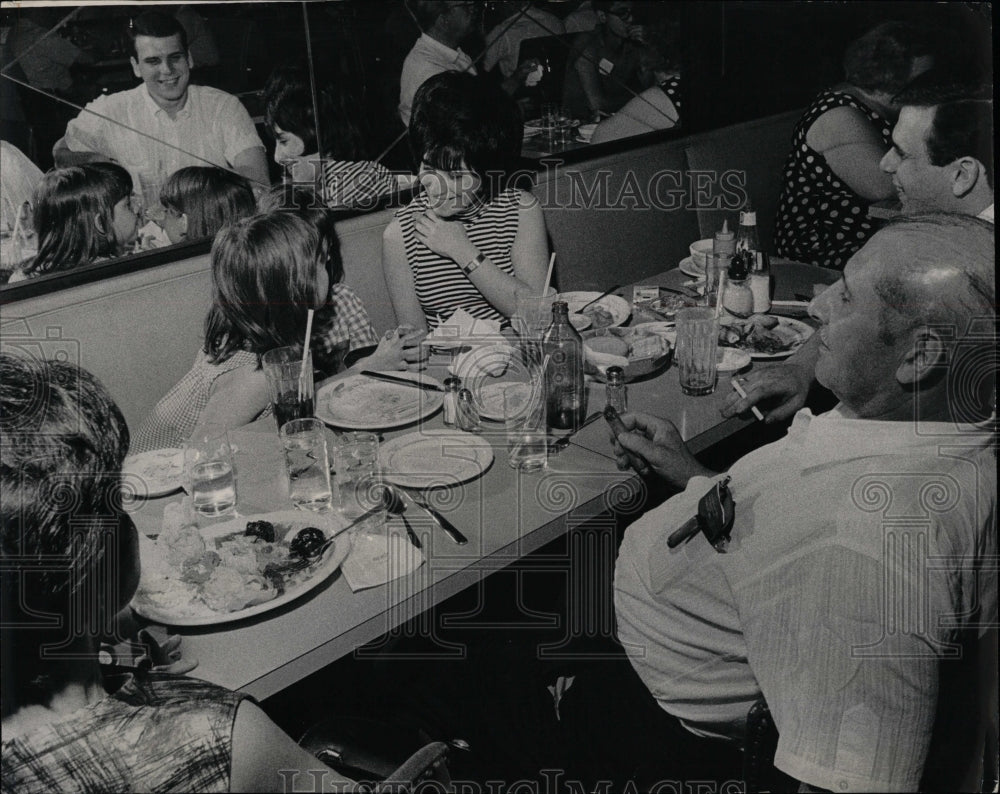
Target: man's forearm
pixel 64 156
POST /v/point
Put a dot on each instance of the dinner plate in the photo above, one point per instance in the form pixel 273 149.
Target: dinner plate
pixel 362 403
pixel 186 612
pixel 434 457
pixel 794 332
pixel 489 397
pixel 156 472
pixel 689 268
pixel 615 305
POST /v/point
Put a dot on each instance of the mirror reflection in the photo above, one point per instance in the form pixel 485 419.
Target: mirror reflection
pixel 131 128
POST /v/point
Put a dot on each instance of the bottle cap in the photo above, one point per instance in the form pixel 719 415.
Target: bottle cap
pixel 616 376
pixel 724 233
pixel 748 218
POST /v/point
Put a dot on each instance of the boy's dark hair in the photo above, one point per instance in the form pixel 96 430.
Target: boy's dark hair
pixel 156 24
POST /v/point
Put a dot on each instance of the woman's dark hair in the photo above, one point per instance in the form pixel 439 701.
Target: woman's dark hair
pixel 68 204
pixel 210 197
pixel 289 105
pixel 882 59
pixel 157 25
pixel 263 283
pixel 458 122
pixel 67 546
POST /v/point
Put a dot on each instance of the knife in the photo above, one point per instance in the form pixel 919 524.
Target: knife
pixel 401 381
pixel 437 518
pixel 595 300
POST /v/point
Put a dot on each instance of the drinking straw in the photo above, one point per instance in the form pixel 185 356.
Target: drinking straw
pixel 718 296
pixel 305 354
pixel 548 276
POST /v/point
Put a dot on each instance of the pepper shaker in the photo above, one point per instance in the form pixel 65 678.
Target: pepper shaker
pixel 452 386
pixel 466 415
pixel 616 391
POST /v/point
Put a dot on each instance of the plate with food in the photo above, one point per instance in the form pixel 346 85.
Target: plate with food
pixel 236 569
pixel 666 305
pixel 155 473
pixel 581 322
pixel 489 397
pixel 764 336
pixel 362 403
pixel 434 457
pixel 730 359
pixel 604 312
pixel 638 351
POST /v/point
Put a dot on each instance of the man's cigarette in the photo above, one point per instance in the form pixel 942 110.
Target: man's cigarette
pixel 743 394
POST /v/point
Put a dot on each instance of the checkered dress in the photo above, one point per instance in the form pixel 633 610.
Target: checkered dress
pixel 155 733
pixel 339 327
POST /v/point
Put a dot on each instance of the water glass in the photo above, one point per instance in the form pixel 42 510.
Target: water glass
pixel 290 399
pixel 357 478
pixel 524 420
pixel 697 348
pixel 209 473
pixel 716 266
pixel 304 443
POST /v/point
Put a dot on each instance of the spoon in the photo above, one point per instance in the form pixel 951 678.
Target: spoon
pixel 395 505
pixel 561 443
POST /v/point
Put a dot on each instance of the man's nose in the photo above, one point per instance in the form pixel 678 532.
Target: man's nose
pixel 817 306
pixel 889 162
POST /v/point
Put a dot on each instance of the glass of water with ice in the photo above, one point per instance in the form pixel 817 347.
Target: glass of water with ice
pixel 307 464
pixel 210 473
pixel 357 477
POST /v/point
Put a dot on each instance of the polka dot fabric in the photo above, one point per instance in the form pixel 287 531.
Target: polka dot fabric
pixel 820 219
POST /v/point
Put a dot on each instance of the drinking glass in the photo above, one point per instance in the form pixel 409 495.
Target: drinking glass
pixel 716 266
pixel 210 473
pixel 282 367
pixel 697 348
pixel 304 443
pixel 524 420
pixel 357 478
pixel 533 312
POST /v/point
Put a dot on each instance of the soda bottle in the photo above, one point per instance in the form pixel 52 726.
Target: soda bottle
pixel 562 349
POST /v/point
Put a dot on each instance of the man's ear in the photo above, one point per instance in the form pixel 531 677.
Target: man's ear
pixel 925 355
pixel 135 67
pixel 966 173
pixel 190 60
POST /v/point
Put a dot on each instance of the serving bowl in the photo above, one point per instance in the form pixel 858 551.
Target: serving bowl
pixel 700 249
pixel 595 363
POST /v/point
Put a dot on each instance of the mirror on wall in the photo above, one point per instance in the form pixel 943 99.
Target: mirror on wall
pixel 82 86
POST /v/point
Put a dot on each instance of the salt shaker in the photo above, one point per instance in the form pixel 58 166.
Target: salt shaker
pixel 615 390
pixel 466 415
pixel 452 387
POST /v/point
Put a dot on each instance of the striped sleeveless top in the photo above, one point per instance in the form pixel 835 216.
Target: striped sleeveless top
pixel 441 285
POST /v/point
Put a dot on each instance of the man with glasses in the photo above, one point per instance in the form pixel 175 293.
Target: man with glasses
pixel 199 123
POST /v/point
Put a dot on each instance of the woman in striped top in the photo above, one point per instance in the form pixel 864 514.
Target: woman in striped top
pixel 469 240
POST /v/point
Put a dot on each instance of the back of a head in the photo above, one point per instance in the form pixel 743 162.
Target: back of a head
pixel 963 119
pixel 210 197
pixel 264 272
pixel 74 215
pixel 457 120
pixel 63 443
pixel 306 203
pixel 426 12
pixel 155 24
pixel 882 59
pixel 288 102
pixel 946 279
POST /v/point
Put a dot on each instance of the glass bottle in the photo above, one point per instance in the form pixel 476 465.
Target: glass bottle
pixel 565 393
pixel 616 391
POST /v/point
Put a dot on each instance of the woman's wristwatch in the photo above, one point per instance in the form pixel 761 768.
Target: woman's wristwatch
pixel 473 264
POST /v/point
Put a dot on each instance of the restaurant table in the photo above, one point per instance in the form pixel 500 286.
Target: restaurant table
pixel 506 515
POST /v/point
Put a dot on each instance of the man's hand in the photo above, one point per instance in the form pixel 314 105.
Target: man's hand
pixel 519 76
pixel 785 385
pixel 165 656
pixel 661 445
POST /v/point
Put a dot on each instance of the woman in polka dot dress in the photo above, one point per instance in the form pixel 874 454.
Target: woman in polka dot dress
pixel 832 174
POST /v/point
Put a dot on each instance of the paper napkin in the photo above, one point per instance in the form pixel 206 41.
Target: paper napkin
pixel 377 558
pixel 462 326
